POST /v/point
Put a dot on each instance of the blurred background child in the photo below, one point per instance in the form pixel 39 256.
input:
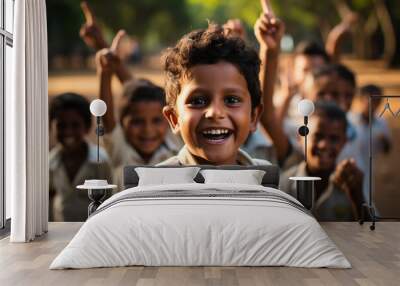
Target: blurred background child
pixel 381 136
pixel 339 193
pixel 74 159
pixel 138 136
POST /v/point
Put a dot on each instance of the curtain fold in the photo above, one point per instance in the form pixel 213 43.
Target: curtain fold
pixel 27 124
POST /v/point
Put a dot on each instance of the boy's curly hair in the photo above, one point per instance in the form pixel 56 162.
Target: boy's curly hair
pixel 209 46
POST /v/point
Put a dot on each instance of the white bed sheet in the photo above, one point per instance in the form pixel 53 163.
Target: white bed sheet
pixel 201 231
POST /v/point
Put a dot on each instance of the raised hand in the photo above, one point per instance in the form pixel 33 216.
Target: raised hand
pixel 90 31
pixel 234 28
pixel 107 60
pixel 351 18
pixel 349 178
pixel 268 29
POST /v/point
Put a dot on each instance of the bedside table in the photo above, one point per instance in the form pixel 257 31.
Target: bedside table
pixel 97 192
pixel 305 190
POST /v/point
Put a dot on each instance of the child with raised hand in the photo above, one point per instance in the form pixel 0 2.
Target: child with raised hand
pixel 339 193
pixel 74 159
pixel 139 135
pixel 309 55
pixel 334 83
pixel 269 31
pixel 213 97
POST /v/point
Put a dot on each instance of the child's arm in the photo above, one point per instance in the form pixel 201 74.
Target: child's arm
pixel 336 35
pixel 107 63
pixel 288 90
pixel 269 31
pixel 92 35
pixel 349 178
pixel 90 31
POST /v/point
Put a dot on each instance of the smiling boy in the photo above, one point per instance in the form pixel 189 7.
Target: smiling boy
pixel 73 160
pixel 339 193
pixel 213 97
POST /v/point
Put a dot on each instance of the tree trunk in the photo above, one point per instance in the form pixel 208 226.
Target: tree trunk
pixel 388 31
pixel 370 28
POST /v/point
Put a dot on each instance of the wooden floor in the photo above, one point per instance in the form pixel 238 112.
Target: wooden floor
pixel 374 255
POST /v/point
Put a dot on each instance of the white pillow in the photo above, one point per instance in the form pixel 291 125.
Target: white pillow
pixel 248 177
pixel 164 176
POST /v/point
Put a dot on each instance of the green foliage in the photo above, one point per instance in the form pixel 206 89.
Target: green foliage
pixel 158 23
pixel 64 18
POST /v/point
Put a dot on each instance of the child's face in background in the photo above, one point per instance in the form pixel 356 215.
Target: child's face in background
pixel 304 64
pixel 364 105
pixel 145 127
pixel 330 88
pixel 325 141
pixel 322 88
pixel 213 112
pixel 70 129
pixel 346 92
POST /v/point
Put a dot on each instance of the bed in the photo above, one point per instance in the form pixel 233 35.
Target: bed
pixel 201 224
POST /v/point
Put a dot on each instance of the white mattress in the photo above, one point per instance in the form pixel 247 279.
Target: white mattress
pixel 224 225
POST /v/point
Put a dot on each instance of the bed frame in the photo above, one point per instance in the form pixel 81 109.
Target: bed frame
pixel 270 179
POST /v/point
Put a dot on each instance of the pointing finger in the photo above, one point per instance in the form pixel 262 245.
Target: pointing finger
pixel 266 7
pixel 87 12
pixel 117 40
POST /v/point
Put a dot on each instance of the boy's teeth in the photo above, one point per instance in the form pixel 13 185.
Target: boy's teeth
pixel 216 131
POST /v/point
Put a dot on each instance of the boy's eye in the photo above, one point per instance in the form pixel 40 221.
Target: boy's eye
pixel 198 101
pixel 318 137
pixel 334 139
pixel 136 122
pixel 157 120
pixel 232 100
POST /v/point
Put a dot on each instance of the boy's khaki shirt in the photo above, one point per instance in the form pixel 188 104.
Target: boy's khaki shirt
pixel 184 157
pixel 121 153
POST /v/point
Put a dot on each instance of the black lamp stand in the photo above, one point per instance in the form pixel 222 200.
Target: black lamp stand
pixel 303 131
pixel 97 196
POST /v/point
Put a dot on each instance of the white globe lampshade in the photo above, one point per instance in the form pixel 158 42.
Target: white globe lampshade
pixel 305 107
pixel 98 107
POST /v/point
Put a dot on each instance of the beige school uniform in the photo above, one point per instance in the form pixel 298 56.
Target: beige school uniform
pixel 184 157
pixel 333 204
pixel 122 154
pixel 69 204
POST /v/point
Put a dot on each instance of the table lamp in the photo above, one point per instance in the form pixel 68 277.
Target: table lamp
pixel 98 108
pixel 305 108
pixel 305 186
pixel 97 189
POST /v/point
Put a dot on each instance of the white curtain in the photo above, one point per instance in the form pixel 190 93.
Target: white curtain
pixel 27 124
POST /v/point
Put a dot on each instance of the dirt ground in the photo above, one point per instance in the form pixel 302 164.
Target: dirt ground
pixel 386 174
